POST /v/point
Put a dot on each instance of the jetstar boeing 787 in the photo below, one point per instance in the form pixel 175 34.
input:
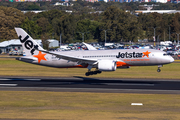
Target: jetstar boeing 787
pixel 102 60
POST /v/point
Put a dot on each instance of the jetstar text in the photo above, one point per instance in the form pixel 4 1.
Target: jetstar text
pixel 28 44
pixel 129 55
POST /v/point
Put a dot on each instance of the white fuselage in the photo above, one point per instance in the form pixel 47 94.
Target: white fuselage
pixel 126 57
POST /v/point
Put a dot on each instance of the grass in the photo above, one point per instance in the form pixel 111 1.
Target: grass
pixel 87 106
pixel 12 67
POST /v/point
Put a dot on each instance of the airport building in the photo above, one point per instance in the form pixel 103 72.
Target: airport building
pixel 11 45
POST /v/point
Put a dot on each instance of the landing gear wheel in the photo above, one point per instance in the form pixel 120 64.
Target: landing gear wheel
pixel 87 74
pixel 92 72
pixel 159 66
pixel 99 71
pixel 158 70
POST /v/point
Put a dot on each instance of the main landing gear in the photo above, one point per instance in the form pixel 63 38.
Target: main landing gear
pixel 92 72
pixel 159 70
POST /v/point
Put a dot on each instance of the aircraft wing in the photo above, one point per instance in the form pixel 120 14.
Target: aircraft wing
pixel 72 58
pixel 90 47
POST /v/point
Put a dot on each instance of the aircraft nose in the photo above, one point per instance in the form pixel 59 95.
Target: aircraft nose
pixel 171 59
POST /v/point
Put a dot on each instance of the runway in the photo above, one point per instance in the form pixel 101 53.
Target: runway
pixel 83 84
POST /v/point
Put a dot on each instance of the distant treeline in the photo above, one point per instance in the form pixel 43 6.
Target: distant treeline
pixel 119 26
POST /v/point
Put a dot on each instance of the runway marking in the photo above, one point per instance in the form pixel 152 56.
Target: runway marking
pixel 32 79
pixel 130 84
pixel 4 79
pixel 136 104
pixel 14 79
pixel 8 84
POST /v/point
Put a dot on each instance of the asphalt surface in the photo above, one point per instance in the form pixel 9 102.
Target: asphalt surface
pixel 83 84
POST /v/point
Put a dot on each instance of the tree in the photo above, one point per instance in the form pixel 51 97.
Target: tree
pixel 45 42
pixel 31 28
pixel 66 26
pixel 33 7
pixel 50 15
pixel 175 26
pixel 123 25
pixel 9 18
pixel 44 24
pixel 30 15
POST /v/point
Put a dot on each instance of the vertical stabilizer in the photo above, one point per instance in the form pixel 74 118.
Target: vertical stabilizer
pixel 29 45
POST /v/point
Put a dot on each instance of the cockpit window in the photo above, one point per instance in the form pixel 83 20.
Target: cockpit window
pixel 165 54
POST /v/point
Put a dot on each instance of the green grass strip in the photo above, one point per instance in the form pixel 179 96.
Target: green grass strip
pixel 87 106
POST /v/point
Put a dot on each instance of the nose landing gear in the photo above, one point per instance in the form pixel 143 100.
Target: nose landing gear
pixel 159 70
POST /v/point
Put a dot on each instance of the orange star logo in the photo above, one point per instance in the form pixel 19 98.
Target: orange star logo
pixel 146 54
pixel 40 57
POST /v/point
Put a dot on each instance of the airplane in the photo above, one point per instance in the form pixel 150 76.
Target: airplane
pixel 101 60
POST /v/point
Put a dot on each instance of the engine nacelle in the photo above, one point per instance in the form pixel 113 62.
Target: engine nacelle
pixel 106 65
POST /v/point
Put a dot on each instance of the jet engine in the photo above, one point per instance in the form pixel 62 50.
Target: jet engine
pixel 106 65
